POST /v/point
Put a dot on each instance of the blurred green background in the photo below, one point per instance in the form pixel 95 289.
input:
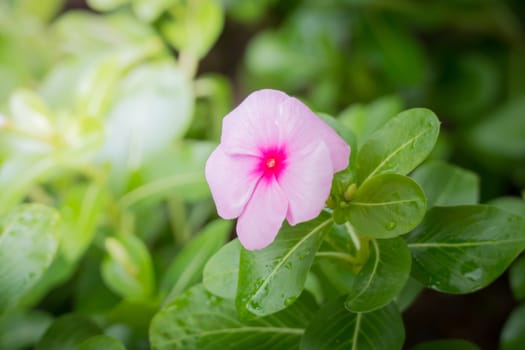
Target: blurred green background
pixel 109 109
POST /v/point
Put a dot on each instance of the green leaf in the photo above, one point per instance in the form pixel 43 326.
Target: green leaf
pixel 335 328
pixel 150 10
pixel 200 320
pixel 502 134
pixel 513 205
pixel 183 175
pixel 194 26
pixel 186 268
pixel 28 243
pixel 21 330
pixel 446 185
pixel 101 342
pixel 68 332
pixel 387 205
pixel 81 209
pixel 449 344
pixel 513 334
pixel 363 120
pixel 382 277
pixel 517 278
pixel 271 279
pixel 127 268
pixel 408 294
pixel 43 10
pixel 221 273
pixel 464 248
pixel 400 145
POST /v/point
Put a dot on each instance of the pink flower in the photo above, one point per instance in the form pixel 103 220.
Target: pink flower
pixel 276 160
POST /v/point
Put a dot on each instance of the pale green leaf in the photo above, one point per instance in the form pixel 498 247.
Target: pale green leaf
pixel 221 273
pixel 28 243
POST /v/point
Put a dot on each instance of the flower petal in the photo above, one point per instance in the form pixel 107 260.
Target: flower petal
pixel 263 216
pixel 232 180
pixel 252 125
pixel 306 127
pixel 306 181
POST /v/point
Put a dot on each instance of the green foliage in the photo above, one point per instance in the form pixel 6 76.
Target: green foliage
pixel 386 206
pixel 28 244
pixel 382 277
pixel 200 320
pixel 447 185
pixel 273 278
pixel 68 332
pixel 379 329
pixel 513 334
pixel 107 119
pixel 220 275
pixel 127 268
pixel 464 248
pixel 101 342
pixel 399 145
pixel 186 269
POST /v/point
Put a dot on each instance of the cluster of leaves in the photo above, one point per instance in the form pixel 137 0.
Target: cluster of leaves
pixel 103 133
pixel 342 279
pixel 106 223
pixel 461 58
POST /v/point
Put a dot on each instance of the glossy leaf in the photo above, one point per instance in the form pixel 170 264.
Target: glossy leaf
pixel 28 243
pixel 446 184
pixel 127 268
pixel 387 205
pixel 400 145
pixel 336 328
pixel 68 332
pixel 186 268
pixel 464 248
pixel 449 344
pixel 271 279
pixel 382 277
pixel 101 342
pixel 517 278
pixel 221 273
pixel 200 320
pixel 513 334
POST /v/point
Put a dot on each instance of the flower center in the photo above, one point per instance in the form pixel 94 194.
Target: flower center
pixel 272 163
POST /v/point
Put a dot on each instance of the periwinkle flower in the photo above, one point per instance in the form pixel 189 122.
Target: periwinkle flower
pixel 276 160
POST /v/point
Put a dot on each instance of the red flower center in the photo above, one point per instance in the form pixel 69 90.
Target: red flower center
pixel 272 163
